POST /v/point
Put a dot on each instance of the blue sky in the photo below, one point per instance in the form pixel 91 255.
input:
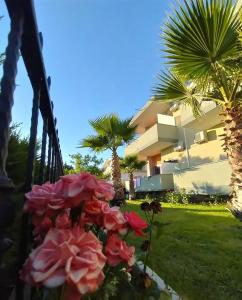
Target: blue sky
pixel 102 55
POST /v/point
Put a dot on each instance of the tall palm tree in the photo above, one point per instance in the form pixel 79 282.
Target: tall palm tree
pixel 111 133
pixel 203 50
pixel 130 164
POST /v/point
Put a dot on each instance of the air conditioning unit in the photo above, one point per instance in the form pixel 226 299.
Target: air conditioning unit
pixel 179 147
pixel 174 107
pixel 200 137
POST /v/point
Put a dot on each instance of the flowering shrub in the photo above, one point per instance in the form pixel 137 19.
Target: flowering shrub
pixel 78 236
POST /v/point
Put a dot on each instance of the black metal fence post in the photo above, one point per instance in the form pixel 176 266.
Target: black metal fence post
pixel 32 140
pixel 7 88
pixel 43 152
pixel 49 159
pixel 52 163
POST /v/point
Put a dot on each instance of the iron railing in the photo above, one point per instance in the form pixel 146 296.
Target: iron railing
pixel 24 38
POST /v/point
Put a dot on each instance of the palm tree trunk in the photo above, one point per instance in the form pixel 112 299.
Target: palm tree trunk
pixel 131 186
pixel 233 147
pixel 116 176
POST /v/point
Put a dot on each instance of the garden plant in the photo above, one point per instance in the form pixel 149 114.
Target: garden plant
pixel 80 247
pixel 111 133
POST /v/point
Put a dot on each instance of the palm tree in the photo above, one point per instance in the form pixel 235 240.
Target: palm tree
pixel 203 50
pixel 130 164
pixel 111 133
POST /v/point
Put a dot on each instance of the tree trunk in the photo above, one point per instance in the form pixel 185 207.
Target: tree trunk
pixel 131 186
pixel 116 176
pixel 233 147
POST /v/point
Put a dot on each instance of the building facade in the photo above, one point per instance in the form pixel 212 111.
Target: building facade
pixel 181 151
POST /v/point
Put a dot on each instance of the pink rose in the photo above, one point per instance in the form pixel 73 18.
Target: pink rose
pixel 66 255
pixel 38 199
pixel 41 229
pixel 117 251
pixel 113 220
pixel 63 220
pixel 43 200
pixel 96 207
pixel 100 213
pixel 93 212
pixel 104 191
pixel 135 222
pixel 76 188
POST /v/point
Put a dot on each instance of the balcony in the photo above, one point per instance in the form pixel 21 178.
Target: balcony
pixel 155 139
pixel 156 183
pixel 210 116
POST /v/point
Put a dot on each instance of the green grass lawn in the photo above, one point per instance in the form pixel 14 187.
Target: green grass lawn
pixel 199 254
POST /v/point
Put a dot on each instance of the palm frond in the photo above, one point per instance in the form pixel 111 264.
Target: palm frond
pixel 97 143
pixel 104 124
pixel 131 163
pixel 174 88
pixel 125 130
pixel 201 34
pixel 111 132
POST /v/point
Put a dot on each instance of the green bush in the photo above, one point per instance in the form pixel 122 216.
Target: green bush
pixel 177 198
pixel 216 199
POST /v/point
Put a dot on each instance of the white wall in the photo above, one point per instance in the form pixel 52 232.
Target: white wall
pixel 210 178
pixel 167 120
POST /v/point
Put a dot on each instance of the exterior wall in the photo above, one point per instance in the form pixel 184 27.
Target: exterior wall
pixel 164 119
pixel 211 178
pixel 196 154
pixel 201 167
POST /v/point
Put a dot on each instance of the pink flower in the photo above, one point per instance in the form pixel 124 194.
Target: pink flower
pixel 67 192
pixel 76 188
pixel 43 200
pixel 63 220
pixel 66 255
pixel 96 207
pixel 113 220
pixel 41 229
pixel 93 212
pixel 135 222
pixel 104 191
pixel 100 213
pixel 117 251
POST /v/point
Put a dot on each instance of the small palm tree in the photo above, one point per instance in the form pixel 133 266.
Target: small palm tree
pixel 111 133
pixel 204 52
pixel 130 164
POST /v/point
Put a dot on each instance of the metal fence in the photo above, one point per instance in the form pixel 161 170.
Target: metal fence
pixel 25 39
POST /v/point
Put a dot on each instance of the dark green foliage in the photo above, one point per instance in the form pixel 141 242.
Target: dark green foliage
pixel 111 133
pixel 131 163
pixel 17 156
pixel 85 163
pixel 174 197
pixel 68 169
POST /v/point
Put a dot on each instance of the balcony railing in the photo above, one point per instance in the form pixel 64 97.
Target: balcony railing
pixel 156 183
pixel 24 37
